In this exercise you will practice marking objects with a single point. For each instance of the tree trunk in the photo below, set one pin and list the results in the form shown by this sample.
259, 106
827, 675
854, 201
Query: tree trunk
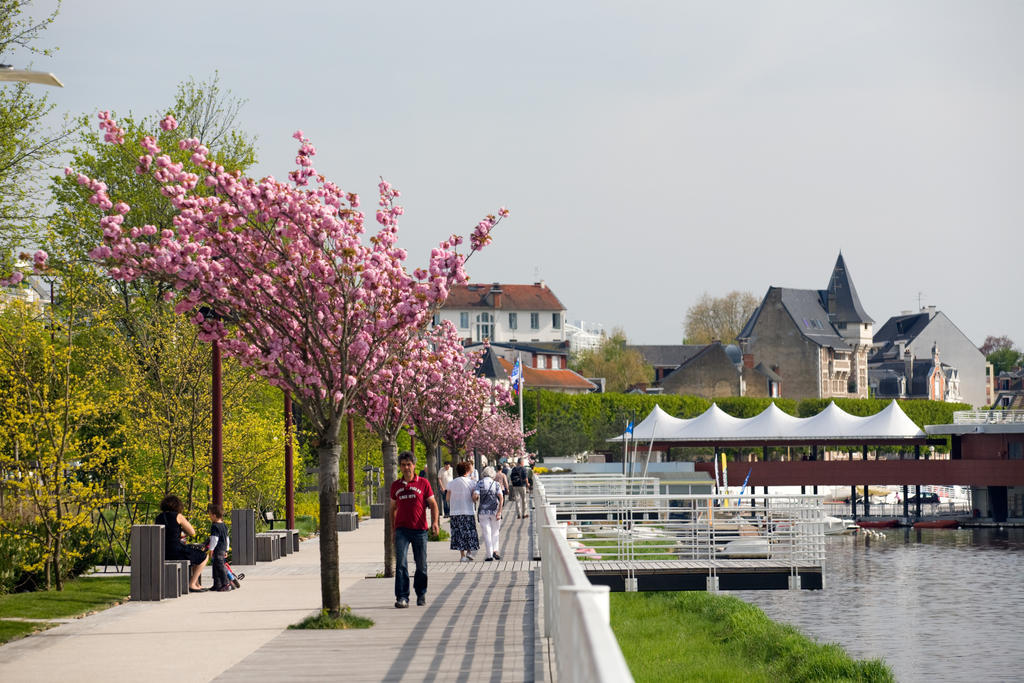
330, 579
389, 452
432, 471
58, 549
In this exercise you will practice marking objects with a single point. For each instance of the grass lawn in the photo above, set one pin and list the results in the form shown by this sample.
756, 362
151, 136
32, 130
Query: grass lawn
696, 636
79, 596
12, 630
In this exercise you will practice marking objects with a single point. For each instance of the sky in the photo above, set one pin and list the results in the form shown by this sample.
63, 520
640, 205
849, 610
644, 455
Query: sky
649, 152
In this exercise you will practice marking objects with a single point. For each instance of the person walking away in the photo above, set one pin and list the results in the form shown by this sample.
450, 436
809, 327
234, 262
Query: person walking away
502, 480
519, 478
411, 495
461, 496
444, 477
176, 526
491, 501
218, 548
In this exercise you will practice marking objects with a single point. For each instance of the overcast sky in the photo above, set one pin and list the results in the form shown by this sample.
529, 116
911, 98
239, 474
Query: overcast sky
649, 152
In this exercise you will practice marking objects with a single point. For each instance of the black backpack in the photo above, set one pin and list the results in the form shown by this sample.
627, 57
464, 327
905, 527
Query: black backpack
518, 476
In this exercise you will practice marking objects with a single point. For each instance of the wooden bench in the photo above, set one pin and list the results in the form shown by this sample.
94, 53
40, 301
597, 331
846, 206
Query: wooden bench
184, 574
268, 547
269, 518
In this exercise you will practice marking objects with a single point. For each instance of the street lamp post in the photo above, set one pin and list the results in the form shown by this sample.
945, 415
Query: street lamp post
11, 75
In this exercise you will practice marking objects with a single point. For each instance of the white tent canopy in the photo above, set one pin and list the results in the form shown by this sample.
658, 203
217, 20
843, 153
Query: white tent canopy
831, 424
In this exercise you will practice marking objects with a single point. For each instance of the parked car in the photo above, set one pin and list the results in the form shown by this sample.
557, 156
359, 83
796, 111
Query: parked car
927, 498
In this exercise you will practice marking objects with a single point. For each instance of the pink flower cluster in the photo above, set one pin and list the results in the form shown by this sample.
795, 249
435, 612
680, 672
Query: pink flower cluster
39, 264
295, 289
112, 132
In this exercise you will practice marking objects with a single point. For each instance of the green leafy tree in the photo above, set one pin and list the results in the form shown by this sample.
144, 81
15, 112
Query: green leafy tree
171, 410
621, 366
720, 318
1001, 353
61, 437
27, 146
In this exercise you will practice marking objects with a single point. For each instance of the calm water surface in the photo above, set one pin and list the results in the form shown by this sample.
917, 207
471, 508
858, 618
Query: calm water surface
935, 604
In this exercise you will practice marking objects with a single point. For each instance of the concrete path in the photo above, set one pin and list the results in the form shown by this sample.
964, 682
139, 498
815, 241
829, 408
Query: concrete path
479, 623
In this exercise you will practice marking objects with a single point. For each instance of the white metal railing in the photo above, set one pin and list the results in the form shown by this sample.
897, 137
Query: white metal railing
576, 613
788, 529
977, 417
598, 485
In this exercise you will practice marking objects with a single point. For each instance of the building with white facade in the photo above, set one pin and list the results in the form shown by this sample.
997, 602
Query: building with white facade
505, 313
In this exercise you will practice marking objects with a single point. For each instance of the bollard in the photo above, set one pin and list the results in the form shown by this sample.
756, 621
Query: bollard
243, 537
147, 579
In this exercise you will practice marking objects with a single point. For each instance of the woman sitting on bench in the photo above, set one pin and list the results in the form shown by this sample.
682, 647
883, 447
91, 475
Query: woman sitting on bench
175, 549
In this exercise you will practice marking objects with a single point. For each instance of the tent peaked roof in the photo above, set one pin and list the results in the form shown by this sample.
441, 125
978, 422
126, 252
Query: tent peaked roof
657, 425
768, 424
891, 421
833, 421
711, 423
833, 424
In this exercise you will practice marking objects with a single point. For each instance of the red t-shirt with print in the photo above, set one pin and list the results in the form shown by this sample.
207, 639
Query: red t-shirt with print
410, 499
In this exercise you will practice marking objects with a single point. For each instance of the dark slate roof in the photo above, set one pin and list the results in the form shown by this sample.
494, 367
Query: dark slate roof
903, 328
767, 372
490, 367
840, 297
804, 306
667, 356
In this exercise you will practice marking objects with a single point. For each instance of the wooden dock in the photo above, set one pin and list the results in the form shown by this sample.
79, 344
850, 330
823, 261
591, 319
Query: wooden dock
479, 624
687, 575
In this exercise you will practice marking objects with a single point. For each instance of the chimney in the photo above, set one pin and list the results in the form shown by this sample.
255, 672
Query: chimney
908, 369
496, 295
748, 360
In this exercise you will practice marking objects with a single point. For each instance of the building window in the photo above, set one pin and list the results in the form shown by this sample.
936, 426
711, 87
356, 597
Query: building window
535, 321
437, 319
484, 326
541, 362
556, 321
464, 320
513, 321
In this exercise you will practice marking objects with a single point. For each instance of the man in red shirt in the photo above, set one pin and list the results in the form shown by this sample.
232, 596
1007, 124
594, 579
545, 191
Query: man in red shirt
410, 496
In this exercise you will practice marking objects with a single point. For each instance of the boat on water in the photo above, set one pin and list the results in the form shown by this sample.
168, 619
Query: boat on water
878, 523
748, 547
937, 524
835, 526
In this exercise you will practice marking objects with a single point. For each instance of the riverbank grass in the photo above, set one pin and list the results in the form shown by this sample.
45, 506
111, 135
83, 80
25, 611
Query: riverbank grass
673, 636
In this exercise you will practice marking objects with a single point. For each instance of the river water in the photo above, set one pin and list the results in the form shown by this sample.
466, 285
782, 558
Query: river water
935, 604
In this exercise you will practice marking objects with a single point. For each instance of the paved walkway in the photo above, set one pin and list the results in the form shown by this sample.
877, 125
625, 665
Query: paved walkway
479, 623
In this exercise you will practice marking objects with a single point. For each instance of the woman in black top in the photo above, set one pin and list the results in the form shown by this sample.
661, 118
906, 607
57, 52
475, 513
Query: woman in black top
175, 549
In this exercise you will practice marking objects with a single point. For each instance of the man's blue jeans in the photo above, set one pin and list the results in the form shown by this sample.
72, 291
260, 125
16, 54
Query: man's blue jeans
418, 539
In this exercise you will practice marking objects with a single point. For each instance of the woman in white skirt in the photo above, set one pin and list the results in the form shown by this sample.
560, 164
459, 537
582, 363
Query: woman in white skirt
462, 495
491, 501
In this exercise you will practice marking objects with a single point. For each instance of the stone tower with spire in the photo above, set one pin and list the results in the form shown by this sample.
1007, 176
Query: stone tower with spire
850, 320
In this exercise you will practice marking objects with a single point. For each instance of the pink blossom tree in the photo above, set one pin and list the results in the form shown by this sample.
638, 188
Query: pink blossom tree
497, 435
436, 404
479, 401
294, 291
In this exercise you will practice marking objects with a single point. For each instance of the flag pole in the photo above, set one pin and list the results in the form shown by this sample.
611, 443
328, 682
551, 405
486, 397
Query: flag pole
521, 388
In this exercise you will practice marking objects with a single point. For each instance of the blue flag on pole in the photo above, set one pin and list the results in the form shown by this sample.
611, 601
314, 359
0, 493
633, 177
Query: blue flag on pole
629, 428
516, 376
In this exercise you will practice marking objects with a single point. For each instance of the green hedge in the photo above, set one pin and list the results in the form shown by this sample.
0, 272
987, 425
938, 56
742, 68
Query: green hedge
572, 423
